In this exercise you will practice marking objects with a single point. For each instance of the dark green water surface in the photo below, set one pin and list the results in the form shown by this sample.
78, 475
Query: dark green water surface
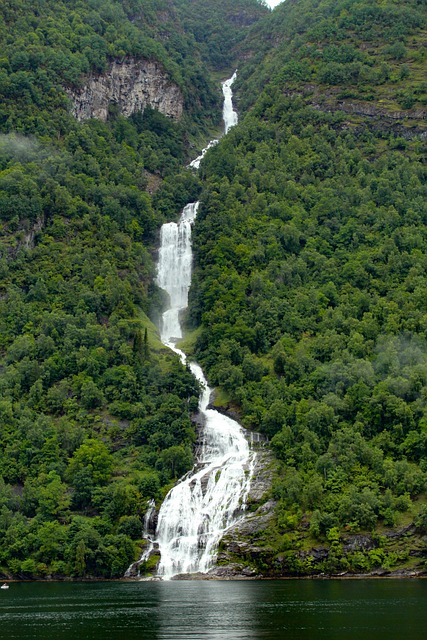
365, 609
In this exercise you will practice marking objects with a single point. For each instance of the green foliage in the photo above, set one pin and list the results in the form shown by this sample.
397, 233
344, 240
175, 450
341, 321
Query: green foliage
309, 286
219, 27
50, 45
356, 46
94, 414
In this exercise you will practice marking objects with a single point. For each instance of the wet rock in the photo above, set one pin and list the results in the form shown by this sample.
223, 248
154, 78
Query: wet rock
380, 573
233, 571
318, 553
405, 573
262, 479
191, 576
227, 571
29, 237
24, 238
228, 410
359, 543
241, 538
153, 558
249, 572
395, 535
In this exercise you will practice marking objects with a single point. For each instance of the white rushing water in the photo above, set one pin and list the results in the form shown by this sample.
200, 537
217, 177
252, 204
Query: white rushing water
199, 509
228, 114
174, 271
134, 567
196, 162
229, 117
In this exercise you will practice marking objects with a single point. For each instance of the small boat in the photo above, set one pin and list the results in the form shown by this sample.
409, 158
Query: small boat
4, 586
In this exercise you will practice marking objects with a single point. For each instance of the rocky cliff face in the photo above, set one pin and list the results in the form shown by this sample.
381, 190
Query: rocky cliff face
132, 85
240, 554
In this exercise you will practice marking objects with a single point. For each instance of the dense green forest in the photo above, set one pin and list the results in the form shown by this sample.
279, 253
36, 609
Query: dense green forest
95, 415
308, 307
219, 27
310, 291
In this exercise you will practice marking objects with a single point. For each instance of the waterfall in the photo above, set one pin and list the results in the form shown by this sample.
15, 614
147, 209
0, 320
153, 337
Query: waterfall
228, 114
195, 164
229, 117
134, 567
174, 271
209, 499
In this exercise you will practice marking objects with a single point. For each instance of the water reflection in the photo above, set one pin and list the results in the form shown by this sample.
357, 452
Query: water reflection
273, 610
208, 610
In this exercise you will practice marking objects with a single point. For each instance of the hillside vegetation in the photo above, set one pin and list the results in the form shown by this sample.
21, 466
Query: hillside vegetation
310, 287
94, 413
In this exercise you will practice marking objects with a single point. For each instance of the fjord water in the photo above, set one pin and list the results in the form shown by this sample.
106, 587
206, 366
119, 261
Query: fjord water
193, 610
197, 511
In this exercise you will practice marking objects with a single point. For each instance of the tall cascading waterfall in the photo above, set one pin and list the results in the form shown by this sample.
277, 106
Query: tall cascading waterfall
199, 509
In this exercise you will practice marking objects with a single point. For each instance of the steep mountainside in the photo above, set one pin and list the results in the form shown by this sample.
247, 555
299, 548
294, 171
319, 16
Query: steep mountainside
220, 27
94, 413
309, 298
310, 288
50, 44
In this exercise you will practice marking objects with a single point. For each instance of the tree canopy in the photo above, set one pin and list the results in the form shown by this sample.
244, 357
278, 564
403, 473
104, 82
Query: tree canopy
95, 415
310, 248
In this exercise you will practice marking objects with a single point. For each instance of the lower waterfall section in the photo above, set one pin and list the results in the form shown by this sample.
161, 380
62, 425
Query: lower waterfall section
133, 569
212, 497
200, 508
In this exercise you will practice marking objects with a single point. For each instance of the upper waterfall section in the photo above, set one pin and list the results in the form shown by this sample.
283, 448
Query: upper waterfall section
132, 85
229, 117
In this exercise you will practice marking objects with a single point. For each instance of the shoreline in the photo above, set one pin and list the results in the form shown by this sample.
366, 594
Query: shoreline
398, 574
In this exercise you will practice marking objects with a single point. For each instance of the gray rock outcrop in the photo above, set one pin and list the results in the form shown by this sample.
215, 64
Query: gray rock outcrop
132, 85
241, 540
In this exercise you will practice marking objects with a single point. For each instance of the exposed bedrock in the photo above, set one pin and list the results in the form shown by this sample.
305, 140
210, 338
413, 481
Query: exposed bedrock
130, 84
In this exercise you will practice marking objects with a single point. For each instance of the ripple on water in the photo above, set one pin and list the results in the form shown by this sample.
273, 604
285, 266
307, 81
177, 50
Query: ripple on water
271, 610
